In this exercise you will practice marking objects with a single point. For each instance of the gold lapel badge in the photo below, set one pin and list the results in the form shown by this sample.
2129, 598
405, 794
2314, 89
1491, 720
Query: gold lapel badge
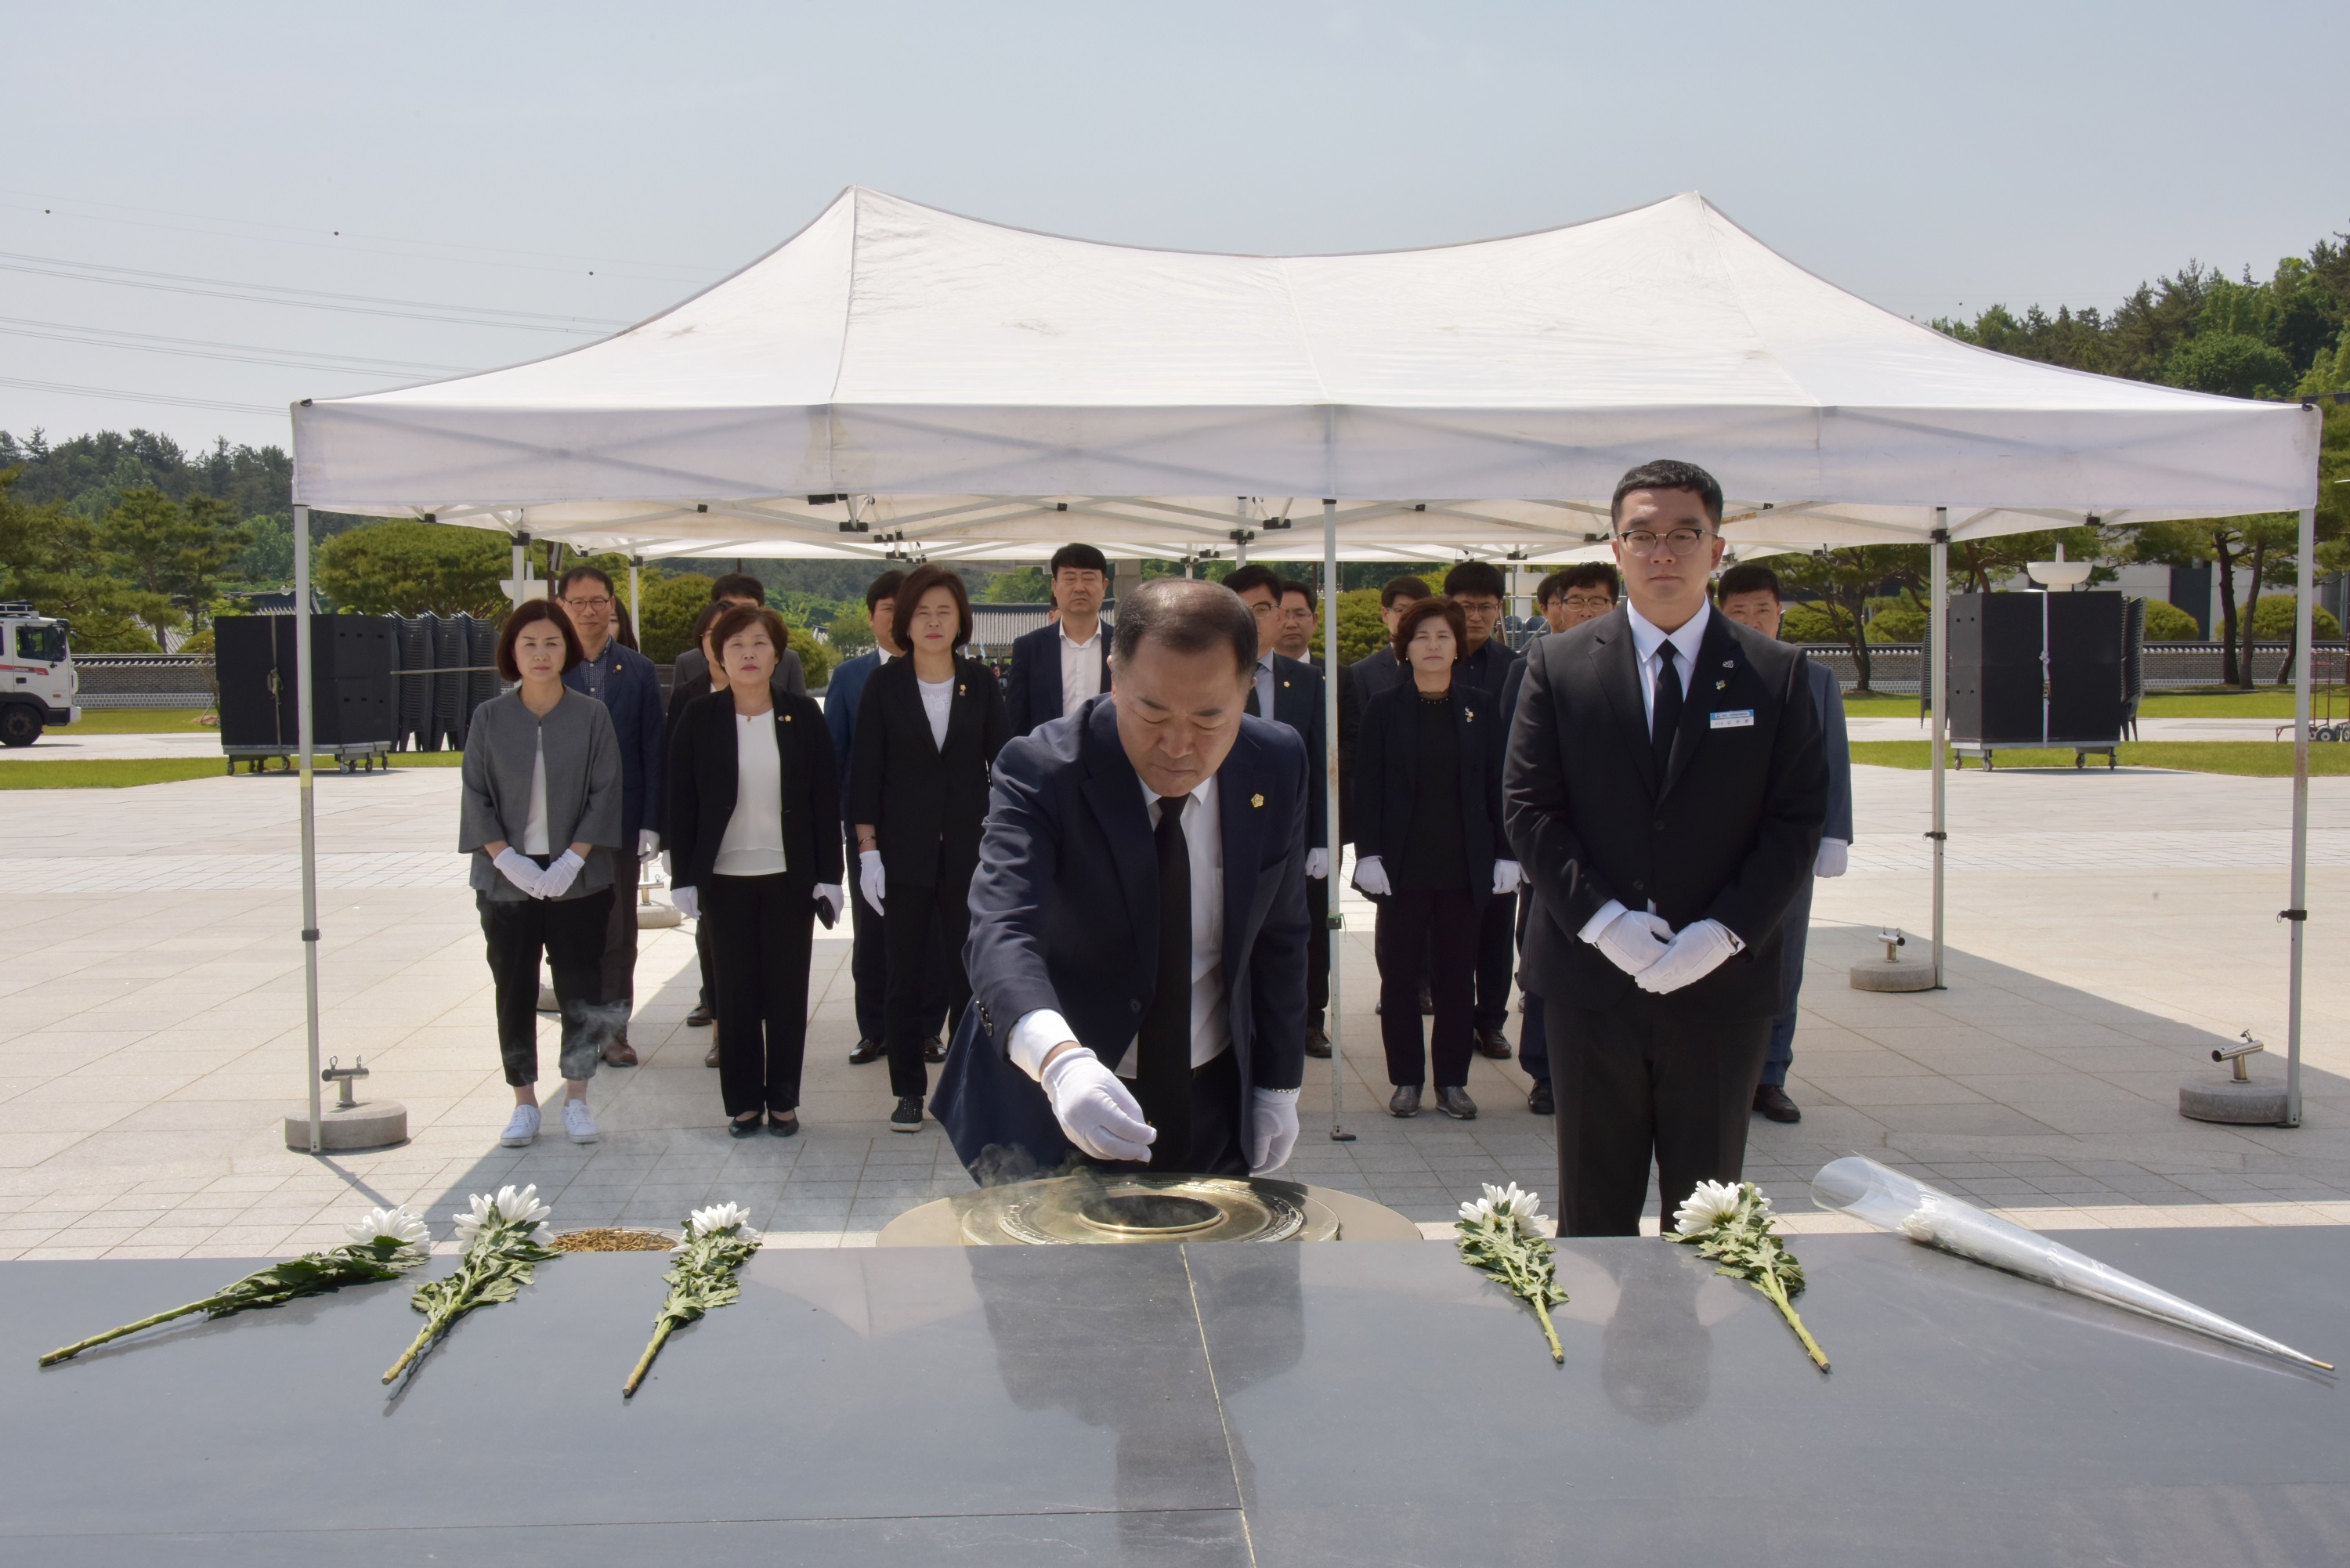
1257, 801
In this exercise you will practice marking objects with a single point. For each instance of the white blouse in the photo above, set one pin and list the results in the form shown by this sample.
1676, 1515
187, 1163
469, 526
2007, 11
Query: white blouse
534, 828
938, 701
754, 842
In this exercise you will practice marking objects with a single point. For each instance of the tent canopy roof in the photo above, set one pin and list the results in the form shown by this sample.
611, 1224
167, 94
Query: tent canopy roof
895, 369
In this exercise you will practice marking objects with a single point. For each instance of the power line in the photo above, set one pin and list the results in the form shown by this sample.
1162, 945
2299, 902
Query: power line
309, 292
141, 397
239, 353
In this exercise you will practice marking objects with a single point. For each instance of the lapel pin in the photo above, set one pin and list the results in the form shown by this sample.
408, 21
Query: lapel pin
961, 691
787, 718
1729, 664
1468, 715
1719, 685
1257, 801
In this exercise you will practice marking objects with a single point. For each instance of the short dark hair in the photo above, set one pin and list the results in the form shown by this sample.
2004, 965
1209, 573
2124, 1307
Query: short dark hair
918, 582
739, 586
708, 618
1668, 474
527, 613
1185, 614
884, 586
575, 573
1395, 588
1084, 557
736, 619
1292, 585
1749, 577
1481, 577
1255, 574
1438, 607
1582, 574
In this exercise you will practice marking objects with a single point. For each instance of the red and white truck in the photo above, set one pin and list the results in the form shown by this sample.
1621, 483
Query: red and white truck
37, 684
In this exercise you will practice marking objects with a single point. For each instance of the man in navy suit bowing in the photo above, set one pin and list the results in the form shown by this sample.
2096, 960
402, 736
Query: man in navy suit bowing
1056, 666
1138, 925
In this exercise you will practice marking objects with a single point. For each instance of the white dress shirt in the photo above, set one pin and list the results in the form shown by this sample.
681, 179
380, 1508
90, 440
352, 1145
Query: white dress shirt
1080, 668
753, 844
1033, 1037
1647, 638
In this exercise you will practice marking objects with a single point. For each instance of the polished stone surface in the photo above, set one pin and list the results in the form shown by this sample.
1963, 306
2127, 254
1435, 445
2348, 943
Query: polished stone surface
1271, 1405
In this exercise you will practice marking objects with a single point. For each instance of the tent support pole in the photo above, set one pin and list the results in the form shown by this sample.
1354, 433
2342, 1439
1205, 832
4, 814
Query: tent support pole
302, 735
1940, 570
1339, 1133
2297, 914
636, 601
521, 564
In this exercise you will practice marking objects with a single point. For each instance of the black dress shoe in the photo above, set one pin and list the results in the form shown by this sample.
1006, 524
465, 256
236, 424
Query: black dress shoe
1493, 1044
1772, 1102
783, 1126
1539, 1101
934, 1050
699, 1017
868, 1050
739, 1127
1456, 1104
1317, 1042
1404, 1101
908, 1117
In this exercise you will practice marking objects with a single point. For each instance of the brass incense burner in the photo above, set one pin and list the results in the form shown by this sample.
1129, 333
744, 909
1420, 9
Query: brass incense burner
1095, 1207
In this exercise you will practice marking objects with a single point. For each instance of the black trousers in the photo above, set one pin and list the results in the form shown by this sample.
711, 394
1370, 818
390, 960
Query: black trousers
1441, 931
570, 933
925, 928
1652, 1077
869, 959
1318, 950
620, 961
1218, 1120
1497, 960
760, 931
701, 957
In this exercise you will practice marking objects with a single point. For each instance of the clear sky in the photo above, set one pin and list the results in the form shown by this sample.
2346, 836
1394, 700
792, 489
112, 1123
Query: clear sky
592, 163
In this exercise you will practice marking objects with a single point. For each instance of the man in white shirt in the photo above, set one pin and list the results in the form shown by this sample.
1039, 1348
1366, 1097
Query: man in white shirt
1058, 666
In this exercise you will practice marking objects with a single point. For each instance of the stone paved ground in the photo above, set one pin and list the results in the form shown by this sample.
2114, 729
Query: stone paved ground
2106, 930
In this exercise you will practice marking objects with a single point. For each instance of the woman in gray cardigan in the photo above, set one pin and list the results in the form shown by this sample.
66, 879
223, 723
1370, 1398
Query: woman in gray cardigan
542, 820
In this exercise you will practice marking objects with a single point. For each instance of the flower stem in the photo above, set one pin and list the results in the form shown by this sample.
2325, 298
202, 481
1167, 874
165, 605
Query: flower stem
1771, 1287
70, 1351
1558, 1351
423, 1342
645, 1361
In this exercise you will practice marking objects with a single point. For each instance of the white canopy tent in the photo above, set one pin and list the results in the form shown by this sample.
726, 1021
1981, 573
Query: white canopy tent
895, 382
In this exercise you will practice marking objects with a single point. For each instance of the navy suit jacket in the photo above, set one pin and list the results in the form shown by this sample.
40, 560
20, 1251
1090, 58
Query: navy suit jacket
633, 697
1065, 915
1033, 689
840, 707
1298, 703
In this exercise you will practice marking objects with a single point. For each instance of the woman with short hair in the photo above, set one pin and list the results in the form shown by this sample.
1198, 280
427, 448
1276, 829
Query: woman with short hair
541, 818
1430, 849
685, 691
755, 822
928, 728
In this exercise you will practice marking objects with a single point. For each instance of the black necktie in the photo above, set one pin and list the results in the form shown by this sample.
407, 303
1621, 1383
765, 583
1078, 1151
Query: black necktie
1666, 720
1163, 1076
1254, 709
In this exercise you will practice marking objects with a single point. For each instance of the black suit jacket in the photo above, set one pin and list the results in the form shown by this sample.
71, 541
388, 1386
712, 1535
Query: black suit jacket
1032, 691
926, 805
702, 783
1727, 834
1298, 703
1065, 915
1390, 760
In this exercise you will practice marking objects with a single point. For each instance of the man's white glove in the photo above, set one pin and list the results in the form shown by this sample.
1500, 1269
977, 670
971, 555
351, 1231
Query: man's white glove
1507, 875
1097, 1111
1632, 940
1317, 864
560, 873
1698, 949
647, 844
1371, 876
1273, 1124
833, 896
1833, 857
870, 880
518, 868
688, 901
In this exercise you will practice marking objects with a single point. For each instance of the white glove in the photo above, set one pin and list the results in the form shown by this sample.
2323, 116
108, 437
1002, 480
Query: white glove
519, 869
1097, 1112
560, 873
871, 880
688, 901
1371, 876
1273, 1124
832, 895
1833, 857
647, 844
1317, 864
1697, 952
1633, 941
1507, 875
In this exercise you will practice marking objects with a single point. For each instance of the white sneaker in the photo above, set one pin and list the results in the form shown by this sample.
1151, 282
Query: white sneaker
522, 1128
579, 1122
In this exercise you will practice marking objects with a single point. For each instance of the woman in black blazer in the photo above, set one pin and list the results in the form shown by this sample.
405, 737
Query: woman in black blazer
928, 729
754, 852
1429, 849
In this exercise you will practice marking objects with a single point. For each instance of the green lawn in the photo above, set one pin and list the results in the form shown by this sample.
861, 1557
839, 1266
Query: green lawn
2208, 703
138, 721
2260, 759
121, 772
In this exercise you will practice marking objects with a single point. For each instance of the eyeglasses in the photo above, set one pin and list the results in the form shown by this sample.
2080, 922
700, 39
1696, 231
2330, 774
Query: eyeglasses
1643, 542
594, 604
1588, 601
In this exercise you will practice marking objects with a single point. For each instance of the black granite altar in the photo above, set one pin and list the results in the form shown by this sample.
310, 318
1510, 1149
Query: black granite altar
1275, 1405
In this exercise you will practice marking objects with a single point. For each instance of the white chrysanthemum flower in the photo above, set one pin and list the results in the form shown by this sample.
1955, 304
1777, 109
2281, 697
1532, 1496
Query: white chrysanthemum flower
510, 1205
1514, 1202
718, 1217
389, 1225
1479, 1211
1921, 1225
1707, 1206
